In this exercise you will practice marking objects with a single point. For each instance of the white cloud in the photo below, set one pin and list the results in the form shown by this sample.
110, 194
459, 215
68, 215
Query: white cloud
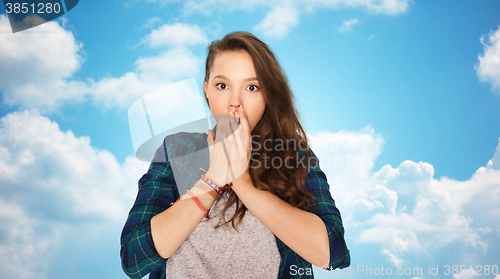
467, 273
488, 69
59, 188
151, 22
405, 209
347, 159
284, 23
151, 73
174, 63
432, 213
43, 159
210, 6
279, 21
37, 67
285, 15
347, 25
176, 35
388, 7
394, 259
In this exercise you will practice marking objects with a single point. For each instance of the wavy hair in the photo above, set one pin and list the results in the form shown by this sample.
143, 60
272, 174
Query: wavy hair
279, 126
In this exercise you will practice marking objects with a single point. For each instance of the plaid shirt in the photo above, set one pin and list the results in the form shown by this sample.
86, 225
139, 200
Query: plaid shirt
158, 188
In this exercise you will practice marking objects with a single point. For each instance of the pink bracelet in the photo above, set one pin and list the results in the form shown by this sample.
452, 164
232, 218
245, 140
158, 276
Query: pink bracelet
198, 204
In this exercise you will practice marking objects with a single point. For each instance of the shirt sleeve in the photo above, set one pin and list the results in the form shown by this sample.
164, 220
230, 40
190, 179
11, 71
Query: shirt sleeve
157, 189
316, 184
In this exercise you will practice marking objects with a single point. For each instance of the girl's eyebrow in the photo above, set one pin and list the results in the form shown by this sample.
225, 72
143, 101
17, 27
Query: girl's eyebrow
223, 77
251, 79
219, 76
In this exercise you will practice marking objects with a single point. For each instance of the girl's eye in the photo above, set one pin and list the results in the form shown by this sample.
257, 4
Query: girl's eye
221, 86
253, 87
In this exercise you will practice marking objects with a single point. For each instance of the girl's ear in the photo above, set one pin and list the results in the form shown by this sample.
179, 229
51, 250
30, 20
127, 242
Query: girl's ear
205, 86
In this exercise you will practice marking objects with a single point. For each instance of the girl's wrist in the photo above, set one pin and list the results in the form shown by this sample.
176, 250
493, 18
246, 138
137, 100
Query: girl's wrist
204, 197
243, 179
214, 178
202, 185
219, 189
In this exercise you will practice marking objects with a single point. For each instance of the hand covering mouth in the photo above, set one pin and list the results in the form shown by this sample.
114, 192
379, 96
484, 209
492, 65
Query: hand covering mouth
234, 110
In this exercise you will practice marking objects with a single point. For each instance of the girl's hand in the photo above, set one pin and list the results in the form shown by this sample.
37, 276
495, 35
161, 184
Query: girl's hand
240, 147
230, 151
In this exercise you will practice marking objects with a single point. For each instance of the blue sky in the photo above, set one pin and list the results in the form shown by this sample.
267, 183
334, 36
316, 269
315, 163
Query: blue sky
410, 90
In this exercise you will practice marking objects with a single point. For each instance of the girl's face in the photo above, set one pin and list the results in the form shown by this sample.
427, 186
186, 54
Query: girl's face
232, 83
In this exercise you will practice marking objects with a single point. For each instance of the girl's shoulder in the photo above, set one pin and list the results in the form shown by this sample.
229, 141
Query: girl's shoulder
186, 141
308, 156
180, 144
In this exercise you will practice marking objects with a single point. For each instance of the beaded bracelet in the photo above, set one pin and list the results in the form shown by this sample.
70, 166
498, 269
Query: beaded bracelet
202, 185
216, 187
198, 204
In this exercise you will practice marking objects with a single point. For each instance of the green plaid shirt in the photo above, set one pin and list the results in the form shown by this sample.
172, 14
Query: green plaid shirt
158, 188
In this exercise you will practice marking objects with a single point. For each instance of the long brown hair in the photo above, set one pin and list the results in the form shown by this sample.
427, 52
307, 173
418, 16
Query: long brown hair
279, 126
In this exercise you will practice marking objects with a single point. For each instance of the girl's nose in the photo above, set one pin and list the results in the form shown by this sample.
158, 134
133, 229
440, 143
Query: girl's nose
234, 109
235, 99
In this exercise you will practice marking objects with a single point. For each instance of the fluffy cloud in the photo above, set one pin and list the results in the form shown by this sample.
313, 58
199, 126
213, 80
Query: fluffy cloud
176, 35
468, 273
488, 69
279, 21
347, 25
284, 15
151, 22
57, 194
405, 210
347, 159
429, 212
174, 63
389, 7
37, 67
150, 73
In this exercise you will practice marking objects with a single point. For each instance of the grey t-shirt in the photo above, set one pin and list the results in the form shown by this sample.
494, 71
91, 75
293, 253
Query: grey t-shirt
225, 253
